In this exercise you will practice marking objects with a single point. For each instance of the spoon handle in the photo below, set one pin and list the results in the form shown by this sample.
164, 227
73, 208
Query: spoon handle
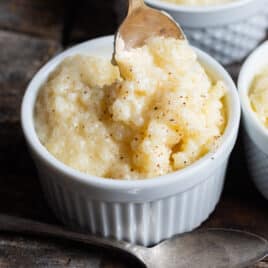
25, 226
134, 4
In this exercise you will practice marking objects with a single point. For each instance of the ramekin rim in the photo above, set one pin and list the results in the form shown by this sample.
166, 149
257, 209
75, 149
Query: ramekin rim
40, 150
198, 9
244, 89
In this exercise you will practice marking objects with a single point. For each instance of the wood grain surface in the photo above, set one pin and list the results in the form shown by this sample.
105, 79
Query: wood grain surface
31, 32
34, 17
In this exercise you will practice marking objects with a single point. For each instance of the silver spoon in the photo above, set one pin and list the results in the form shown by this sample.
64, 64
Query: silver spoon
207, 248
143, 22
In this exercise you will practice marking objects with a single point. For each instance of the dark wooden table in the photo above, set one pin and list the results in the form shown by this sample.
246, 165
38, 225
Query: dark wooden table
31, 32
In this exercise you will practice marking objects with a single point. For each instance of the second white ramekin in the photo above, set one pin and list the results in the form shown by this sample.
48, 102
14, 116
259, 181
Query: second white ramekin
140, 211
256, 134
228, 32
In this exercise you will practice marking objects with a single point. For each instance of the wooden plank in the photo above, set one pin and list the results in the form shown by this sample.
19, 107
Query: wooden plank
14, 156
22, 196
91, 19
21, 56
35, 17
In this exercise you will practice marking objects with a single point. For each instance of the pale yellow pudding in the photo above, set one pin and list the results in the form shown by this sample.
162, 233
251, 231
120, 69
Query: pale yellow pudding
156, 112
199, 2
258, 96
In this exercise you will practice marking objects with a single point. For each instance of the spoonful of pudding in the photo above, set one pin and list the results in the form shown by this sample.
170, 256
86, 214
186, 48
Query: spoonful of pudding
143, 22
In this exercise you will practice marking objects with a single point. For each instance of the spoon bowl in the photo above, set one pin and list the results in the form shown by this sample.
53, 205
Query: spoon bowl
204, 248
143, 22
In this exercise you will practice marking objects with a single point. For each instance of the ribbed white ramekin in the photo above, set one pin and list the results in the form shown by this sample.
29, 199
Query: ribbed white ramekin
140, 211
256, 134
228, 32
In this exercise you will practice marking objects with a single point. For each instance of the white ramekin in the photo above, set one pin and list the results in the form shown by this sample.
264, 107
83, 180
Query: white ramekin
256, 134
140, 211
227, 32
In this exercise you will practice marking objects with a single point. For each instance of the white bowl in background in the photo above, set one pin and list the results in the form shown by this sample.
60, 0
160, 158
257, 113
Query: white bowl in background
228, 32
140, 211
256, 134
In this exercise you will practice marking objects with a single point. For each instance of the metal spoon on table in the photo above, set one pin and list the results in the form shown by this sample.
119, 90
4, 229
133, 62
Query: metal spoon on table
143, 22
208, 248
